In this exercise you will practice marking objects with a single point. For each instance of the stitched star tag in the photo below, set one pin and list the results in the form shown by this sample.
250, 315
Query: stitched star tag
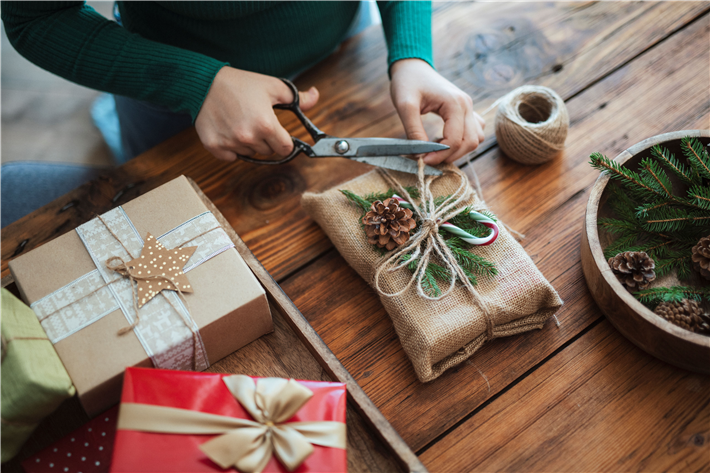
158, 268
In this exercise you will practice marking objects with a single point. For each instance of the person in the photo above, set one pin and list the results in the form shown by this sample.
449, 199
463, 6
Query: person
217, 65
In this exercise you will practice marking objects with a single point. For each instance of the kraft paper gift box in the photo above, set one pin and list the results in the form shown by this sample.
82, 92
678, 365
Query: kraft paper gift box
83, 305
206, 422
34, 381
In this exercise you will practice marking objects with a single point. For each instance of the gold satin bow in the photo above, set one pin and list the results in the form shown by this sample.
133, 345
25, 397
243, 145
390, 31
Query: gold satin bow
245, 444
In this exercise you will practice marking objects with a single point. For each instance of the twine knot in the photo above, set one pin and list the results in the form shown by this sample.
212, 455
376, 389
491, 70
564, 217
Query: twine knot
430, 225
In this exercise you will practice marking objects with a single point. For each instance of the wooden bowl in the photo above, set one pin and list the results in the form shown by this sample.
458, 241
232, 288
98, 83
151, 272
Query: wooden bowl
648, 331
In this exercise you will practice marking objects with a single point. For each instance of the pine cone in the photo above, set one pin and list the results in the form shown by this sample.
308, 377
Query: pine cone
387, 224
701, 257
686, 314
634, 269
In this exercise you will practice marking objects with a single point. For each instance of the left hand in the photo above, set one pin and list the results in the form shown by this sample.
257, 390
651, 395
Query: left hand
417, 89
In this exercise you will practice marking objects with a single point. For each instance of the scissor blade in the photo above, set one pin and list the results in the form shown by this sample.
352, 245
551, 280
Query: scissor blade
362, 147
397, 163
399, 147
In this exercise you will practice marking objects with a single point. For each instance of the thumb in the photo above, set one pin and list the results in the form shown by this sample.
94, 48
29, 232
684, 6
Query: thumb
412, 121
309, 98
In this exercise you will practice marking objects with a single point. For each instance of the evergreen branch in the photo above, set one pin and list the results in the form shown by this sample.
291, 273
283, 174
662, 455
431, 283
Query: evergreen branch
671, 220
472, 262
629, 178
645, 209
656, 295
697, 156
672, 163
613, 225
700, 195
653, 172
381, 196
357, 200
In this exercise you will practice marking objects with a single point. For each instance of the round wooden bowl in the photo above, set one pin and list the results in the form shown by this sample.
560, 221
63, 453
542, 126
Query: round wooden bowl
648, 331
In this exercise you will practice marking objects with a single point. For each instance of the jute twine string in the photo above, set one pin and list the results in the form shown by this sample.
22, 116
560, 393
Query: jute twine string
531, 124
430, 216
5, 344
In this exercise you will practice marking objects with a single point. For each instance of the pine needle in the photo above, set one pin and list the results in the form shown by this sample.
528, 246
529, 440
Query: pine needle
656, 295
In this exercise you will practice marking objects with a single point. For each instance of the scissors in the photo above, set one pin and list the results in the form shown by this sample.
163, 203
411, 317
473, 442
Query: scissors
382, 152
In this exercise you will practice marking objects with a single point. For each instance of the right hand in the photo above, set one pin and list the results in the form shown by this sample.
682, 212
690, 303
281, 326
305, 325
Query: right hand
237, 116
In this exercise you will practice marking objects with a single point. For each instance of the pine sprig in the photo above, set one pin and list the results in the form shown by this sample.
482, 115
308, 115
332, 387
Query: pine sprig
657, 177
357, 200
629, 178
656, 295
672, 163
700, 196
697, 155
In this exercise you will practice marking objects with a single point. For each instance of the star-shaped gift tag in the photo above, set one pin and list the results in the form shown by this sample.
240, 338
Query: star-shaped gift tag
162, 269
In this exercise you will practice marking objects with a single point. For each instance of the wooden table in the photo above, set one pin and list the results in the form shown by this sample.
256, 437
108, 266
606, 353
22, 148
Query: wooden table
575, 398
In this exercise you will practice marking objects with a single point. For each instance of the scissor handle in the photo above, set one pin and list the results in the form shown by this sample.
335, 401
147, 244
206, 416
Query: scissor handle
298, 145
295, 107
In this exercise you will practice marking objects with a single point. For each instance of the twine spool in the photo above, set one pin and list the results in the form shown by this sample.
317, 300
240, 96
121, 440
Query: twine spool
531, 124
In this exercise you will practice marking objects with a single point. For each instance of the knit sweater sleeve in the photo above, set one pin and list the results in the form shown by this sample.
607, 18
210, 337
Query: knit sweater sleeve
407, 26
72, 40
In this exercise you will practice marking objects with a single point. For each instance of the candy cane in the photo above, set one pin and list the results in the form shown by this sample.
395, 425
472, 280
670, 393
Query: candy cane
465, 236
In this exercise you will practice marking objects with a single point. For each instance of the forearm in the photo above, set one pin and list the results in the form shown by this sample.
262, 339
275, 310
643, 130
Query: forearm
73, 41
407, 27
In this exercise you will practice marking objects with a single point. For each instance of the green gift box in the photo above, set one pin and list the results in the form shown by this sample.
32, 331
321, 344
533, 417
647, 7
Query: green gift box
34, 381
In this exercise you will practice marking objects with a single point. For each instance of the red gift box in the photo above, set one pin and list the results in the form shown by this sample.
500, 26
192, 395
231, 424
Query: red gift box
141, 451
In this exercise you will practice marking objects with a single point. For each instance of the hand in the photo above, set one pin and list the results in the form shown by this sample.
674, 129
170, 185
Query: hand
417, 89
237, 115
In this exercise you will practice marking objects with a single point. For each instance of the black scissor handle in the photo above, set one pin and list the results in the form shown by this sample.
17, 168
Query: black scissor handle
298, 145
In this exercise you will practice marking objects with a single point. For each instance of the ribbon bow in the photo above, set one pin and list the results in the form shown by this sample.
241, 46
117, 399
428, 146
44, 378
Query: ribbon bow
245, 444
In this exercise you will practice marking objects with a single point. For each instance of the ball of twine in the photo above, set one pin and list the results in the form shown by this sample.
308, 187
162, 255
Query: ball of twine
531, 124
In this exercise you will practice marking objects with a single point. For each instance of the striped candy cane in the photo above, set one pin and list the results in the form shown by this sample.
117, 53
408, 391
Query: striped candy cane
465, 236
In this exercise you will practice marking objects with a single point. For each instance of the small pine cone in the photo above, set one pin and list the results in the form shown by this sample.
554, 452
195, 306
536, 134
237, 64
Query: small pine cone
387, 224
686, 314
701, 257
634, 269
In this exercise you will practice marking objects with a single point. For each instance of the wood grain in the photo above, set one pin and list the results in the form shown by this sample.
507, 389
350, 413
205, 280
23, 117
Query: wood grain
628, 71
601, 404
545, 202
262, 203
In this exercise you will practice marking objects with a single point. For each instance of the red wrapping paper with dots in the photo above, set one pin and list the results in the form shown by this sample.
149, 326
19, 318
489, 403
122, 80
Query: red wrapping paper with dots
86, 450
136, 451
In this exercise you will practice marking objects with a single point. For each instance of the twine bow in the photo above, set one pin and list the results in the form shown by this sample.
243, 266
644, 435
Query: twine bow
427, 242
245, 444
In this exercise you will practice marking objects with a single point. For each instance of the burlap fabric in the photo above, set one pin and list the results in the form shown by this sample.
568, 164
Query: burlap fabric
437, 335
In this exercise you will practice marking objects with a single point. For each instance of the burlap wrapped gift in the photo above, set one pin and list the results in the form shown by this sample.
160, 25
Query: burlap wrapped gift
438, 334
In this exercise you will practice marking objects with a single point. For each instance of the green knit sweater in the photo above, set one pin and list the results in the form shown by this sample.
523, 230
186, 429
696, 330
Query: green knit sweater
168, 53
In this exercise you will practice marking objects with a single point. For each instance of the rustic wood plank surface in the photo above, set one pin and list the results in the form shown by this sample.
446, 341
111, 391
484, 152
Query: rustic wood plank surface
601, 404
627, 71
547, 204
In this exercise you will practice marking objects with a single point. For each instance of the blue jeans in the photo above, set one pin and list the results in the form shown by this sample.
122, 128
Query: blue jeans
27, 186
